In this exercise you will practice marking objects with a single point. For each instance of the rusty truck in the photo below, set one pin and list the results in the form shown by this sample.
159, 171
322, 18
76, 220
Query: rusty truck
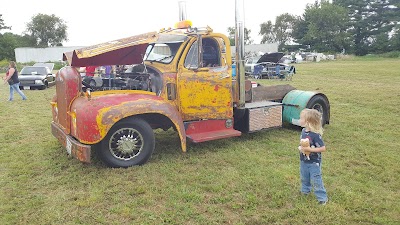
182, 80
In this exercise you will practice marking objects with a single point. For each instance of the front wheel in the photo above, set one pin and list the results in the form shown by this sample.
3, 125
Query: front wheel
129, 142
321, 104
43, 87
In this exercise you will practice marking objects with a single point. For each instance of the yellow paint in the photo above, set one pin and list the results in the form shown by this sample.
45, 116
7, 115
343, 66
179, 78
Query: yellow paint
73, 119
109, 92
206, 93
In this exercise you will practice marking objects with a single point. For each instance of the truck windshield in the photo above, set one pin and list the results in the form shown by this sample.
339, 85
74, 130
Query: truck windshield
163, 53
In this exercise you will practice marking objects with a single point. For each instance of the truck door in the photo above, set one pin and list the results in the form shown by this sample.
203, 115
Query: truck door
205, 80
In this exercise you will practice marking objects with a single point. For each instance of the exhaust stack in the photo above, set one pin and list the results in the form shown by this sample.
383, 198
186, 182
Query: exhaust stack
182, 10
239, 55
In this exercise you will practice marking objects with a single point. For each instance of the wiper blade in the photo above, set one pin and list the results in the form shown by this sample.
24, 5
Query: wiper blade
160, 59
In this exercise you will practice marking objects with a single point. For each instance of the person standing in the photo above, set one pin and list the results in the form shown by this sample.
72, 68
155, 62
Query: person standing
90, 70
12, 79
107, 71
107, 74
311, 155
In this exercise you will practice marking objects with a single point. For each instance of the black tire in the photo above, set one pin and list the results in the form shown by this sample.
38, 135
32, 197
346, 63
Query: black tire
320, 103
43, 87
92, 83
130, 142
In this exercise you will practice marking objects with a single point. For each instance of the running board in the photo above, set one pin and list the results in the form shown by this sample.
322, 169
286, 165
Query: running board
213, 135
207, 130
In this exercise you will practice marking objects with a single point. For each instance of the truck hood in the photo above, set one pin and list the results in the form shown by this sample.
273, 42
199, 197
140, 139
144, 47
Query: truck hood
271, 57
119, 52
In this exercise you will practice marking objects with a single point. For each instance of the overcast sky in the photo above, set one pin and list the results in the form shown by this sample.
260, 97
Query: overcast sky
92, 22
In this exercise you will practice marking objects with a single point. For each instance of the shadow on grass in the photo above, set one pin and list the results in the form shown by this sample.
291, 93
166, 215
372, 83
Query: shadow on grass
168, 146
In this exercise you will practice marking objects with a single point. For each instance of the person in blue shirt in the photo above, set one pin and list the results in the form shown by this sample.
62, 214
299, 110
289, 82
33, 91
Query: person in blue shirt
311, 156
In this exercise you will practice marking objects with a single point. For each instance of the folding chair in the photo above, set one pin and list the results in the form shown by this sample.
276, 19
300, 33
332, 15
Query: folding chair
290, 72
257, 71
280, 73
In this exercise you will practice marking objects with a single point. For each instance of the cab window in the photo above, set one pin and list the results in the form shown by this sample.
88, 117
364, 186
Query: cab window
192, 59
211, 55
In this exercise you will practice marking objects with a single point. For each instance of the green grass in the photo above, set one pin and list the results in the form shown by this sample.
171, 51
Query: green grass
252, 179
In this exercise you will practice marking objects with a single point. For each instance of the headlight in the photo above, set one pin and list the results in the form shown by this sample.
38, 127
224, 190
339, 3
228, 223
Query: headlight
39, 82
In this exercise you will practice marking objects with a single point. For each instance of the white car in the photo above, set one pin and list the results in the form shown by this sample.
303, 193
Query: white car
249, 65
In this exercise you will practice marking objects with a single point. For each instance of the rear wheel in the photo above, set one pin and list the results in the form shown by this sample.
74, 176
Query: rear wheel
321, 104
128, 143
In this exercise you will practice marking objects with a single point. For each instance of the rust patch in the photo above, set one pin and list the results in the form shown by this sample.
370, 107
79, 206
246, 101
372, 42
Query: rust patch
276, 92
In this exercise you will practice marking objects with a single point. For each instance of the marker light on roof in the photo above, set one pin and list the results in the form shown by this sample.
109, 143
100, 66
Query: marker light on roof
183, 24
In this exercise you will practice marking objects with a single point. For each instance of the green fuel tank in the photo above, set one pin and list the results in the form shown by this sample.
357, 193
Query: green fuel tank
295, 101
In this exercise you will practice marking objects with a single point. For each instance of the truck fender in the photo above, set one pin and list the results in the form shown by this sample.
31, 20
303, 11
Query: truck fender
107, 117
296, 100
91, 128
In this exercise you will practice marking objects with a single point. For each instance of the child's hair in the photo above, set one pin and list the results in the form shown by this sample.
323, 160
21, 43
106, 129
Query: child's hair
313, 120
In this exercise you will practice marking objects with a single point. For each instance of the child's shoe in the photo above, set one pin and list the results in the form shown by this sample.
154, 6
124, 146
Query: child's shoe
323, 202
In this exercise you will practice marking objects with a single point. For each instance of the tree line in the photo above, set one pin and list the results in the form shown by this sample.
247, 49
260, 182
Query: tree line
41, 32
357, 27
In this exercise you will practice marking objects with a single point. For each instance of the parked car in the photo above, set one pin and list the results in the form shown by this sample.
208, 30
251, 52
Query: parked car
39, 76
249, 65
269, 66
271, 70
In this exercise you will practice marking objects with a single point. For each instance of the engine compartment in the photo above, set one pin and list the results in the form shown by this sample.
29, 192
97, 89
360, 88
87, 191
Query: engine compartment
131, 79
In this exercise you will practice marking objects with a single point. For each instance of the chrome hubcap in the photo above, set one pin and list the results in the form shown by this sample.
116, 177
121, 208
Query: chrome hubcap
126, 143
